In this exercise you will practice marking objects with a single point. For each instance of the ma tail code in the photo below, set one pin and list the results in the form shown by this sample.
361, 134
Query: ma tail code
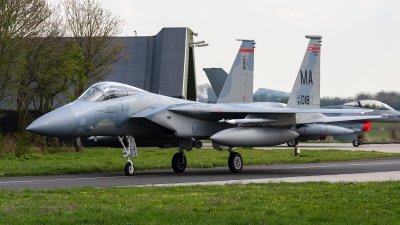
306, 78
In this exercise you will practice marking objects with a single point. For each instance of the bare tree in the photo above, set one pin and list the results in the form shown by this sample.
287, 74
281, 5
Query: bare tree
94, 29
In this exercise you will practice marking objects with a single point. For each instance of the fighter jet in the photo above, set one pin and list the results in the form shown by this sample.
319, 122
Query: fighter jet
387, 115
384, 113
305, 94
138, 117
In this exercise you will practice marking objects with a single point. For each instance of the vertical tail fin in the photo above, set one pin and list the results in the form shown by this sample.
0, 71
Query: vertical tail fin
306, 89
238, 86
217, 78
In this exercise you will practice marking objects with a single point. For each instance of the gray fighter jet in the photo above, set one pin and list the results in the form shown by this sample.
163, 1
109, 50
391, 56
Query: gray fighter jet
384, 112
387, 114
140, 118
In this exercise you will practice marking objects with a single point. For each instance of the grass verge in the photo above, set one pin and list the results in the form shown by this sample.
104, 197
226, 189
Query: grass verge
271, 203
110, 160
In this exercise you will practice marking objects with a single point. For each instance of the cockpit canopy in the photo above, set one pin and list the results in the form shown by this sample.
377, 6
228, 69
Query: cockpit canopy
370, 104
108, 90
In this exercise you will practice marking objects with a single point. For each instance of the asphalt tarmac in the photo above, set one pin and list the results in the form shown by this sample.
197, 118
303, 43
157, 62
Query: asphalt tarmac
363, 170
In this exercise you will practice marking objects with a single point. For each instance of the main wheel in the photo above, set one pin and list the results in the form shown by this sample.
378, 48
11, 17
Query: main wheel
235, 162
197, 144
179, 162
356, 143
129, 169
293, 143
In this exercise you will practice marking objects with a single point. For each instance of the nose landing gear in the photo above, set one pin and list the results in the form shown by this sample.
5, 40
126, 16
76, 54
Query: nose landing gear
129, 151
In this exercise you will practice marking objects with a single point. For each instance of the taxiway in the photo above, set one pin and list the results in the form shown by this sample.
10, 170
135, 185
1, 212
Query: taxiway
363, 170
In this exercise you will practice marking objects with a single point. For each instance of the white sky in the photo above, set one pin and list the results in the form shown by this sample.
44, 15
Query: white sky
360, 48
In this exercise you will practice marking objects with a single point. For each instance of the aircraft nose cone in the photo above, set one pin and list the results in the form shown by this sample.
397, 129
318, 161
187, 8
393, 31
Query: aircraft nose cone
58, 123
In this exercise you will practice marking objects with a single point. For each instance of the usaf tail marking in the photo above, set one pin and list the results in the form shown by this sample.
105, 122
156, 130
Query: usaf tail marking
303, 100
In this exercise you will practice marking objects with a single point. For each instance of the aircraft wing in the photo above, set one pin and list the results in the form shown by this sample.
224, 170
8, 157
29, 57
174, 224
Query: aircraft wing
147, 118
197, 109
150, 111
339, 119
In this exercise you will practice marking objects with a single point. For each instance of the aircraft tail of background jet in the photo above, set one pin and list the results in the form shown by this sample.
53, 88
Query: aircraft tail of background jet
306, 89
217, 78
239, 84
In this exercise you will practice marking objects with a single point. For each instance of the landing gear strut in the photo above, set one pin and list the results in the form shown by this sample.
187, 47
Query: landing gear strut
129, 151
235, 161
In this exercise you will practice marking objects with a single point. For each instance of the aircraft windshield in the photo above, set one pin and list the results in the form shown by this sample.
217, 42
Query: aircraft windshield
370, 104
108, 90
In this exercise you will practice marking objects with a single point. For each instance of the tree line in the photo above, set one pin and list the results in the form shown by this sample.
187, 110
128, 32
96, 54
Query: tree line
50, 53
392, 98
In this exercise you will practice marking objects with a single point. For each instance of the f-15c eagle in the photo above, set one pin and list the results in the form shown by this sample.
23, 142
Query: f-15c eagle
140, 118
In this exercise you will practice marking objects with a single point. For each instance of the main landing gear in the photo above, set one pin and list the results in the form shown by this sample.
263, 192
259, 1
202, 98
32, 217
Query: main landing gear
235, 161
179, 162
179, 159
129, 151
293, 143
357, 143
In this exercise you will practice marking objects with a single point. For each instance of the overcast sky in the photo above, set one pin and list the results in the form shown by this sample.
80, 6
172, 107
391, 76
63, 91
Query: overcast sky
360, 48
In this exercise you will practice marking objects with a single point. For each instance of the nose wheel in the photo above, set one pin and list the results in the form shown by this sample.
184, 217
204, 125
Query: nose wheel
129, 169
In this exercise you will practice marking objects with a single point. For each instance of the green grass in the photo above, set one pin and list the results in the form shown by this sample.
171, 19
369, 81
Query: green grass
384, 125
111, 160
271, 203
378, 136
